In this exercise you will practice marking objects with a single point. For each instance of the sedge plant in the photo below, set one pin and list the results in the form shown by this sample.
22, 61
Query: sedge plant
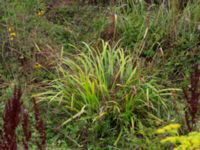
105, 82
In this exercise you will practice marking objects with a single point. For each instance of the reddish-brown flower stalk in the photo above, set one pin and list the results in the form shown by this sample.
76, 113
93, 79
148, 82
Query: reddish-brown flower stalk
193, 99
39, 126
11, 120
26, 129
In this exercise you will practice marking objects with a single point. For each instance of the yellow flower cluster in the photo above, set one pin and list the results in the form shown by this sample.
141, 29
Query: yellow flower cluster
171, 139
37, 66
41, 13
189, 142
168, 128
12, 33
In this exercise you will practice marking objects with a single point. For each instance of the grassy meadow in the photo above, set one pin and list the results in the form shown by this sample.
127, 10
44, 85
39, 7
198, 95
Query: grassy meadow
99, 75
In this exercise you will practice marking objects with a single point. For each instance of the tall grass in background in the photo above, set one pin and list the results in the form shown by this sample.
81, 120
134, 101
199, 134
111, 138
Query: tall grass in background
151, 27
104, 83
164, 34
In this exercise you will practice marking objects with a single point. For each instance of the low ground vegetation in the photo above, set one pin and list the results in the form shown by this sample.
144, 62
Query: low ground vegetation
100, 74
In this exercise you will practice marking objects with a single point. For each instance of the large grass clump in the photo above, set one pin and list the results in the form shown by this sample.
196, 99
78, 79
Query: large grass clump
105, 83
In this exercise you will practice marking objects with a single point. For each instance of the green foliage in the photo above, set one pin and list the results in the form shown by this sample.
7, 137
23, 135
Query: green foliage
100, 96
132, 26
104, 82
80, 22
146, 31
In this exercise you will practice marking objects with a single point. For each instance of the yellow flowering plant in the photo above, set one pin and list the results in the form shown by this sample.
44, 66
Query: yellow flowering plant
37, 66
187, 142
12, 33
171, 128
10, 29
41, 13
